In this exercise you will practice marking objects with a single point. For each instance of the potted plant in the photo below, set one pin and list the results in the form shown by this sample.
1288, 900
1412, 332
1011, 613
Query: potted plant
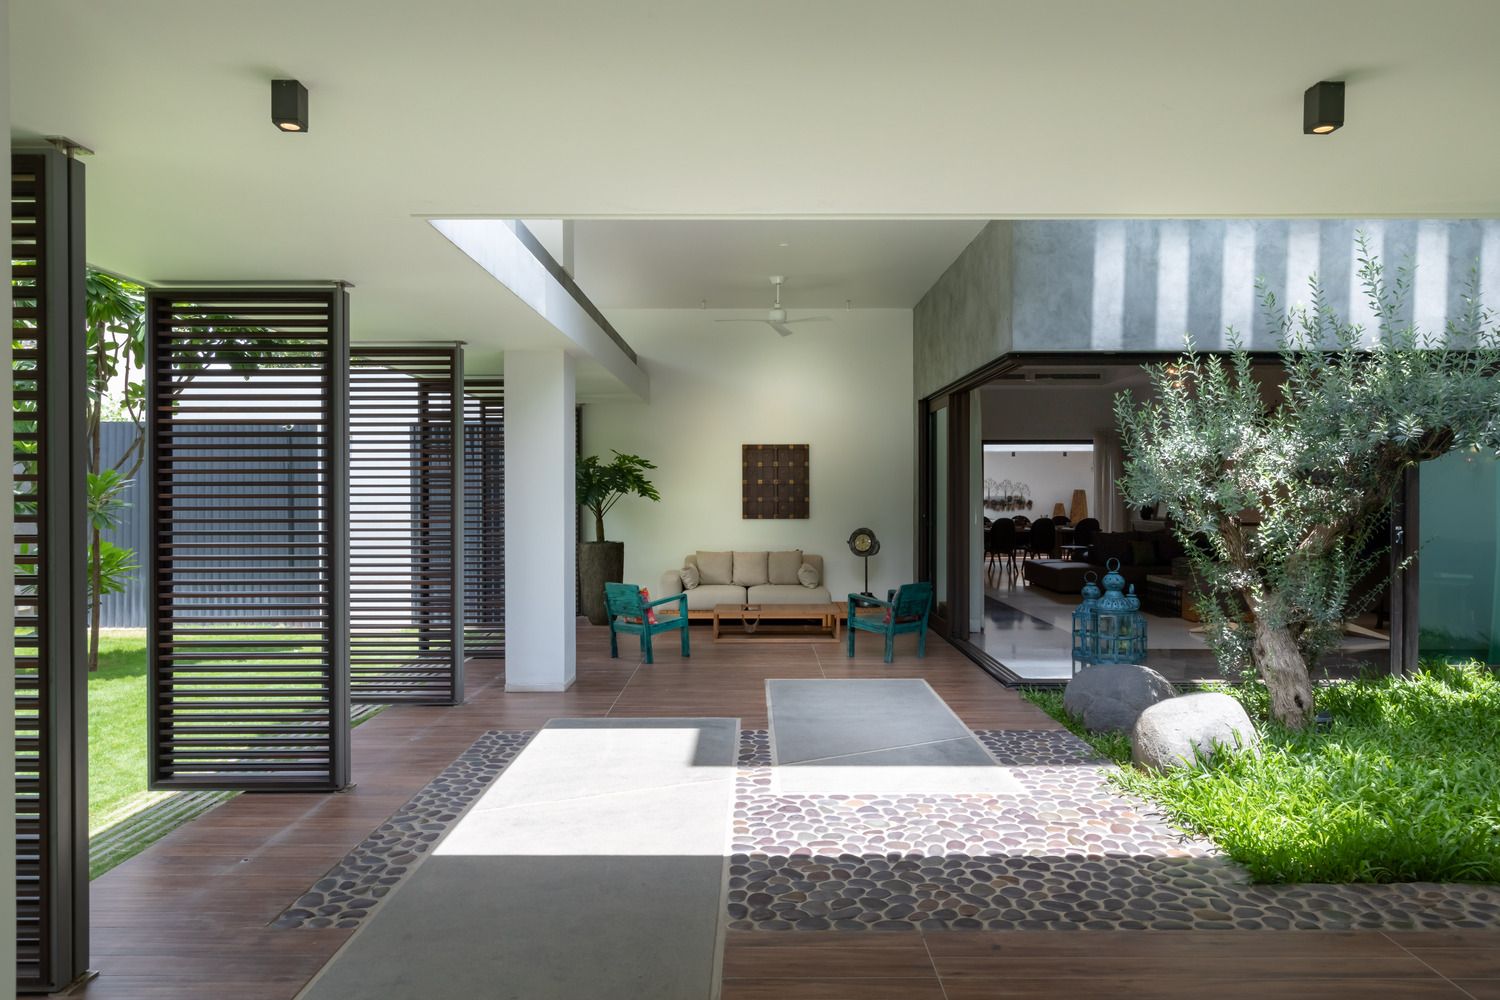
599, 488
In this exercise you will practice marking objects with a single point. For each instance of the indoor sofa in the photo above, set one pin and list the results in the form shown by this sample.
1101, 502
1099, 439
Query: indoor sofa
713, 578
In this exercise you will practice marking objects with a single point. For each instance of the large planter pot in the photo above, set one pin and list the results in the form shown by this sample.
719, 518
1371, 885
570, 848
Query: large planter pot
598, 563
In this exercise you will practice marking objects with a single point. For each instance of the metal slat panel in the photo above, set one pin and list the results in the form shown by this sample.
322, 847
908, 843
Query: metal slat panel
247, 631
48, 548
484, 516
406, 525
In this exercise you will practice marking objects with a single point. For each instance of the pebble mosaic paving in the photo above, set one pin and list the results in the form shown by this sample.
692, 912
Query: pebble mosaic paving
1071, 852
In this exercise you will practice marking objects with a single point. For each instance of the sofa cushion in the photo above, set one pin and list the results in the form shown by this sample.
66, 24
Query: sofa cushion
750, 569
1142, 553
703, 598
809, 575
716, 568
691, 578
781, 593
782, 567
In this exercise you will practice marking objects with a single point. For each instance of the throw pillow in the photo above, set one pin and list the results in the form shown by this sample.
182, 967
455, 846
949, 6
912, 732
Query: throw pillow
750, 569
715, 567
783, 567
809, 576
690, 577
650, 612
1142, 553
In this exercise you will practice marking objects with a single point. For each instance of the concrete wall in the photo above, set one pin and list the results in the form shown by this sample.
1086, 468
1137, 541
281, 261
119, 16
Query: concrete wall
963, 322
1142, 285
842, 387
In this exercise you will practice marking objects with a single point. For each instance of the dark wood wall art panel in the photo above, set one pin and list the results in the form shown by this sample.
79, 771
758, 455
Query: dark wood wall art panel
774, 481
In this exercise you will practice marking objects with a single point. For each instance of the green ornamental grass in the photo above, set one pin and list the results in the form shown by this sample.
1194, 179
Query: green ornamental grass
1404, 786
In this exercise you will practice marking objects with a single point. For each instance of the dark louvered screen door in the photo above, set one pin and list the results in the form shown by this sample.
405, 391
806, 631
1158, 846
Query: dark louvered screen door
484, 516
406, 525
47, 370
248, 567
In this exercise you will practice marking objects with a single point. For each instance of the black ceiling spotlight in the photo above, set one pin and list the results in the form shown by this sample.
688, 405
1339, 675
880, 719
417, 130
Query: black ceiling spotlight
289, 105
1323, 107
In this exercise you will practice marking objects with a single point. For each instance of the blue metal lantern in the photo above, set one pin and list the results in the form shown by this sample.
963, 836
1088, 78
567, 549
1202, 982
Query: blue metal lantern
1119, 626
1083, 623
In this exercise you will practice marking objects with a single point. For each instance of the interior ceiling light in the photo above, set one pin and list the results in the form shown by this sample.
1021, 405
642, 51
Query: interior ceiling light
1323, 107
289, 105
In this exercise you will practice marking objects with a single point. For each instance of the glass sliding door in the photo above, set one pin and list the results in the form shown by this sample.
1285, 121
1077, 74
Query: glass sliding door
1458, 606
944, 555
941, 503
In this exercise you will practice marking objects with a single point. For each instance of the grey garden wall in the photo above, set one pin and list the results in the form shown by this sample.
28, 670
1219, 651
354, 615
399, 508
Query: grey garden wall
126, 609
1142, 285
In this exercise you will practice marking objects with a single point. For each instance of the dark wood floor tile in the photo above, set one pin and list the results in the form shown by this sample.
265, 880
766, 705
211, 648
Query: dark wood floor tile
1456, 938
999, 946
826, 955
1247, 961
1198, 987
1480, 989
832, 989
1462, 963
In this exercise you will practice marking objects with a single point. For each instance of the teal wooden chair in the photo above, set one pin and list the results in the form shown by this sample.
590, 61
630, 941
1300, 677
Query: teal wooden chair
627, 613
906, 610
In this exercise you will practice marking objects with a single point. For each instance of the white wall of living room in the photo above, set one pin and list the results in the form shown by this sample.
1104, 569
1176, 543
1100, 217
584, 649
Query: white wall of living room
842, 387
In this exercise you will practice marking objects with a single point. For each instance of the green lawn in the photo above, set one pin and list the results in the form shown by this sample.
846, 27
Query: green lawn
1403, 786
117, 729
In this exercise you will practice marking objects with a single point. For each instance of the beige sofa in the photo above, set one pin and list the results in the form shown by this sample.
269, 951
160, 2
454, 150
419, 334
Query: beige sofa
746, 578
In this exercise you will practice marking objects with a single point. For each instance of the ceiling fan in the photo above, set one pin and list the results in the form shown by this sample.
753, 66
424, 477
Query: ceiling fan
776, 318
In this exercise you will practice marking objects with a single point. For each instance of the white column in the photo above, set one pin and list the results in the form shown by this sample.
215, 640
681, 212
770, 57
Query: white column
541, 544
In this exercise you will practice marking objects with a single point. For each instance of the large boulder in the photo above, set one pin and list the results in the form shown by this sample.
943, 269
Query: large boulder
1171, 733
1113, 695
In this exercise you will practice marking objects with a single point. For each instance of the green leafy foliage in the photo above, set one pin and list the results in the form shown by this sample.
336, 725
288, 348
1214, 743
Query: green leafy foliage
1279, 502
1115, 746
1403, 786
600, 486
116, 568
106, 503
114, 311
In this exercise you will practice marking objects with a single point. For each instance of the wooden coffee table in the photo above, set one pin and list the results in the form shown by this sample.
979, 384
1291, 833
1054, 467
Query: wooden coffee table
776, 622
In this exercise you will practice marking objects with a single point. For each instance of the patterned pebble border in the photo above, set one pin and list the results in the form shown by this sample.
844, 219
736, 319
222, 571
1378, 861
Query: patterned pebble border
354, 887
1071, 852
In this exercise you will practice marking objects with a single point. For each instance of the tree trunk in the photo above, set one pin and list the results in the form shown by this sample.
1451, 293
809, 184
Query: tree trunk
95, 610
96, 460
1284, 670
598, 526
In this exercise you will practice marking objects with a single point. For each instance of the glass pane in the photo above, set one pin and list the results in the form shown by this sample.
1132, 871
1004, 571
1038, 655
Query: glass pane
1459, 567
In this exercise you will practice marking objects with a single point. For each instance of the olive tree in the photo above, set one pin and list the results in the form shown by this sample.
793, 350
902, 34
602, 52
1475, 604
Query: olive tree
1278, 494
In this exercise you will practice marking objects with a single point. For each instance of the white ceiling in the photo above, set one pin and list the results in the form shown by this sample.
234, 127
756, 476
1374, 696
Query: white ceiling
686, 109
727, 264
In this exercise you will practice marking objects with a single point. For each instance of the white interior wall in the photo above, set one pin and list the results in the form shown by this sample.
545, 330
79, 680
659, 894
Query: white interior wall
842, 387
1051, 476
